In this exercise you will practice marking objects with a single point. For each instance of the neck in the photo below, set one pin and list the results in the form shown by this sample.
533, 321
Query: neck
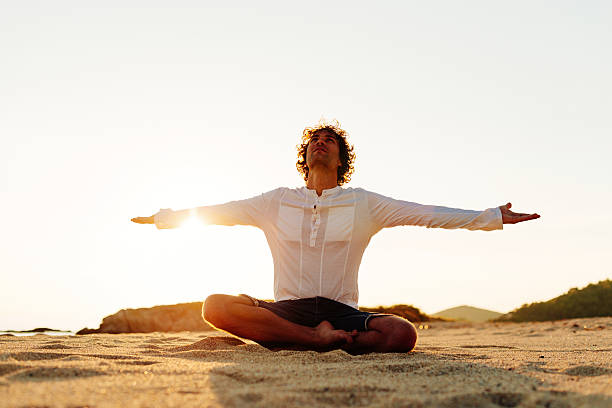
321, 180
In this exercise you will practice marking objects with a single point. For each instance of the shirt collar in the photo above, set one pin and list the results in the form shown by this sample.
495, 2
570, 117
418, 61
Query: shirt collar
324, 193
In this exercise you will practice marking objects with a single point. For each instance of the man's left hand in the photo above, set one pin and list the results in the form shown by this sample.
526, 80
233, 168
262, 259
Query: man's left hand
510, 217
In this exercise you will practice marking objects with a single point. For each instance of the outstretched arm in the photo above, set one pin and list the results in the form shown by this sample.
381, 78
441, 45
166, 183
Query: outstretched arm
388, 212
243, 212
510, 217
251, 211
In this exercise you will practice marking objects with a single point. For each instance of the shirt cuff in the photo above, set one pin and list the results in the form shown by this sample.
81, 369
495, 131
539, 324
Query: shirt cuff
497, 222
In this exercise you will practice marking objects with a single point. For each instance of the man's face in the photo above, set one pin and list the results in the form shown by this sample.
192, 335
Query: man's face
323, 150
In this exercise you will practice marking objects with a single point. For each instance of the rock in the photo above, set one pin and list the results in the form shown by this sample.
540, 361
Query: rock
167, 318
36, 330
40, 330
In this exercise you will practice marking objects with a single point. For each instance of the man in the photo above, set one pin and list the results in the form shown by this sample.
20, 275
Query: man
317, 235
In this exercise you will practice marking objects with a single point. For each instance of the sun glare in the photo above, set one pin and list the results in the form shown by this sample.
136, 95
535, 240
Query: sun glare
192, 223
195, 240
208, 259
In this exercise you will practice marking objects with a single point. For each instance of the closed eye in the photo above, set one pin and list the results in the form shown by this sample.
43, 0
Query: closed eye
326, 139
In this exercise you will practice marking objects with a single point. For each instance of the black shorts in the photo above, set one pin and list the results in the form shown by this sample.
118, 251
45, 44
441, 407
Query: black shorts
312, 311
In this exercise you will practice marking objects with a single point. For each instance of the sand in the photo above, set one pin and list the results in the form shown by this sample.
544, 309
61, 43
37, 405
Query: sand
552, 364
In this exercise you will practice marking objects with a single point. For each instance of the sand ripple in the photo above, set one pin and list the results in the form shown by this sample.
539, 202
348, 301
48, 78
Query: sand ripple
482, 366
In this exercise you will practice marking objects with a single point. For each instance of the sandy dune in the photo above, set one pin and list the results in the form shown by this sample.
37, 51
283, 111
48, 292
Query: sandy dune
559, 364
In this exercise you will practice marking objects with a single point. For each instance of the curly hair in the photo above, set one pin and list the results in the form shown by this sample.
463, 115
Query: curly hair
347, 156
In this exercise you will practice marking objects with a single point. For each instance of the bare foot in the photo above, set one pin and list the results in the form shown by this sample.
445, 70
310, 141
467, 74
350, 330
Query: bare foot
326, 335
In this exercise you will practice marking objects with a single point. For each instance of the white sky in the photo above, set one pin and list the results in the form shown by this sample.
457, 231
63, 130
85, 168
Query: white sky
111, 112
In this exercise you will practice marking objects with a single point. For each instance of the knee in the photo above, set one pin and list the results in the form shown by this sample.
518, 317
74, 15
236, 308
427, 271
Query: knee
404, 337
213, 310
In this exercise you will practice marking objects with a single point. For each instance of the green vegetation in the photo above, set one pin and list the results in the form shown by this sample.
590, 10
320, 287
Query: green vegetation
406, 311
595, 300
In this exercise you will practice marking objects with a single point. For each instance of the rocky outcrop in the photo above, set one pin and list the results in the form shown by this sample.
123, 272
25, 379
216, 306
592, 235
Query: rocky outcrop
168, 318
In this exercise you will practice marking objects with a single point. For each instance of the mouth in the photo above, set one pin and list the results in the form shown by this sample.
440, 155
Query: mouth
316, 149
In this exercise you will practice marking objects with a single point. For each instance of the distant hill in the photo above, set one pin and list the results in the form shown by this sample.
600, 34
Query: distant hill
467, 313
595, 300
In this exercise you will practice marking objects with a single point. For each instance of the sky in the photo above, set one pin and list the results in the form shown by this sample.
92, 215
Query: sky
114, 110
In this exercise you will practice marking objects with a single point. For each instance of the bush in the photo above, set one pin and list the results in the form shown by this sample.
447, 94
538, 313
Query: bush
595, 300
406, 311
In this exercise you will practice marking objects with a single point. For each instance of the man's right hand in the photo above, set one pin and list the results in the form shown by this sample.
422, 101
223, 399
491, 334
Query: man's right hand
144, 220
164, 218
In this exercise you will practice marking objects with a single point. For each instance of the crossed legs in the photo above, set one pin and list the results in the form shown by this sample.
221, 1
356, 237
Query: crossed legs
237, 315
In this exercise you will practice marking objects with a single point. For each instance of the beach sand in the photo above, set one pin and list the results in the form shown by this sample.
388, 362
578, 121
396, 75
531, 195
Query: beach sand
552, 364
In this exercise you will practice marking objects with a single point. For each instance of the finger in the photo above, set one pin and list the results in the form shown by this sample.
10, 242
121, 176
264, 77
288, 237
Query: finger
523, 214
514, 214
506, 208
143, 220
525, 217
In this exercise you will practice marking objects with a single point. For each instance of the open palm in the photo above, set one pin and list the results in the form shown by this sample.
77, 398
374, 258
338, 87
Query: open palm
510, 217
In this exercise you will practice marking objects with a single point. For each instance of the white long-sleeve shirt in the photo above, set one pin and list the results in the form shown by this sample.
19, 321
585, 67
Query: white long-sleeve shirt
317, 242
